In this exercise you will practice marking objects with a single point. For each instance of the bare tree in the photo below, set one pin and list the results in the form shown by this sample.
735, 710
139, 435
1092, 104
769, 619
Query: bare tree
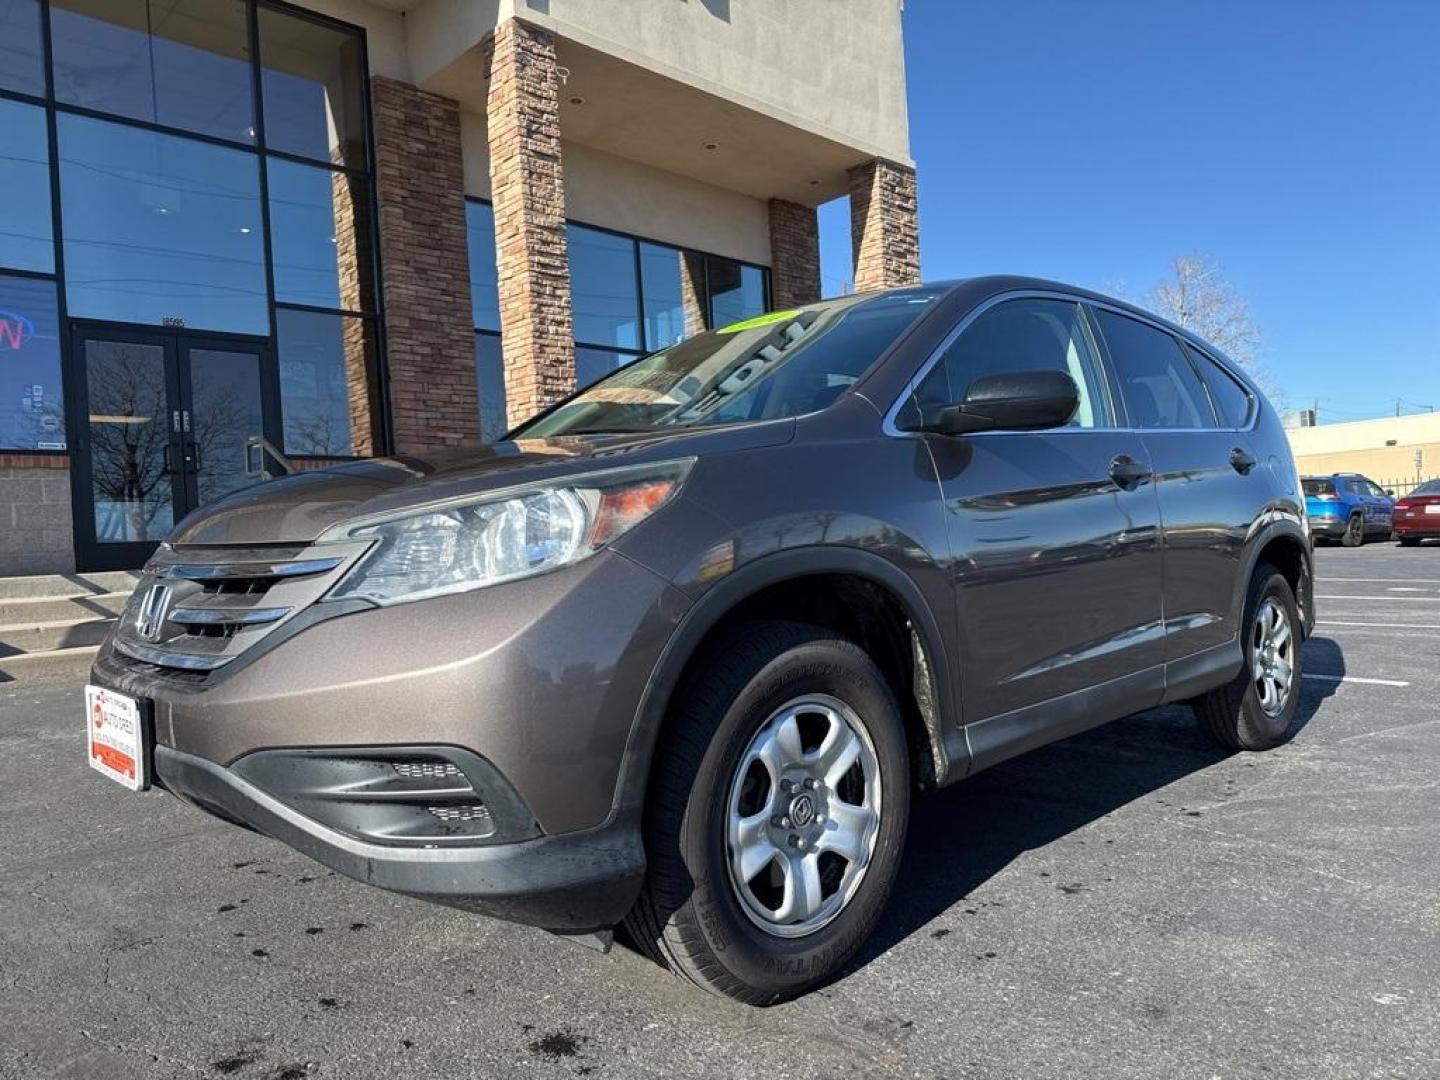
1196, 295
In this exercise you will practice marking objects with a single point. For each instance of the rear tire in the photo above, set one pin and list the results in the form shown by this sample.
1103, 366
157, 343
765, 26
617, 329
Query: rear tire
1354, 532
724, 742
1408, 541
1245, 714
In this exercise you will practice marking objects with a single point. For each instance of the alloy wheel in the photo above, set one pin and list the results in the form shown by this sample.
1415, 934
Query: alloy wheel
1272, 656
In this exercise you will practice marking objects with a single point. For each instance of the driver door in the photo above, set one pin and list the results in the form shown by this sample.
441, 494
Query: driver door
1055, 536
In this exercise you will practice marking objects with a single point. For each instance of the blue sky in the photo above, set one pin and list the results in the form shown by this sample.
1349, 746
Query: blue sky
1297, 143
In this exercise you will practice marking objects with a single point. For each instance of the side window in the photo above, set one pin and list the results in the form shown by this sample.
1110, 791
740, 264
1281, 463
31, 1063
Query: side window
1232, 401
1160, 387
1022, 335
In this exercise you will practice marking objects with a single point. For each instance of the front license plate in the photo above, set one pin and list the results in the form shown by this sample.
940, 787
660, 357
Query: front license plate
1432, 508
115, 732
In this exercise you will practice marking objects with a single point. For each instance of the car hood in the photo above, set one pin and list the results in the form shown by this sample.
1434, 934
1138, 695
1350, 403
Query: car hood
300, 507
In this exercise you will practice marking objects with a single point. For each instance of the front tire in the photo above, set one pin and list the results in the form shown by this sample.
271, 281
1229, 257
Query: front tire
776, 816
1257, 710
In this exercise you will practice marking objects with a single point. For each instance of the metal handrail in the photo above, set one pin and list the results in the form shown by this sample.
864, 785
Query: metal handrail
259, 452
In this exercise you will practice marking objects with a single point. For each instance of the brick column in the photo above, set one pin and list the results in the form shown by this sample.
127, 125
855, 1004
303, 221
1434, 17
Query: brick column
692, 291
884, 225
350, 206
794, 254
425, 268
527, 186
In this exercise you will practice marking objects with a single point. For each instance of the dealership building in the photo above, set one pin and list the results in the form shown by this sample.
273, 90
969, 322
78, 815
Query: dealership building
360, 227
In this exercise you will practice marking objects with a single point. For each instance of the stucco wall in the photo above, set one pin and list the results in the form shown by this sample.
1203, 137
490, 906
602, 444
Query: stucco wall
601, 189
833, 67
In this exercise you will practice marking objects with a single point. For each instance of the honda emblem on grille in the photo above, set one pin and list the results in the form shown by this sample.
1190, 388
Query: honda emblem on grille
150, 618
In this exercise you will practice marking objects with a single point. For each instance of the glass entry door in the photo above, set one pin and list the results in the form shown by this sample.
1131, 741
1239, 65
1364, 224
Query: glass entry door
164, 419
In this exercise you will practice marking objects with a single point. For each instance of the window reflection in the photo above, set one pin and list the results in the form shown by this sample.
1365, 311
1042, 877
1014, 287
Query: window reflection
32, 409
666, 274
327, 367
180, 63
129, 439
490, 380
25, 217
737, 291
22, 62
484, 278
312, 77
591, 365
318, 247
603, 288
160, 228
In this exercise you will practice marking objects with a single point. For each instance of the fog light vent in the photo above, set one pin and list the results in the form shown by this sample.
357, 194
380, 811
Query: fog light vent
426, 770
469, 812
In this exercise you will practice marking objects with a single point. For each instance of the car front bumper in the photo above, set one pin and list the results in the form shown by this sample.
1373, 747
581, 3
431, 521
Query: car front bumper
574, 882
533, 686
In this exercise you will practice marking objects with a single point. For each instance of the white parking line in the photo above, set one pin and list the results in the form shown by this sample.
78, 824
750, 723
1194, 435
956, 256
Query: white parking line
1411, 580
1403, 588
1392, 625
1388, 599
1354, 679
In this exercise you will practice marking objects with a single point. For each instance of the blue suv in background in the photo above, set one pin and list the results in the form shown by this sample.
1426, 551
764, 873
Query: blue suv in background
1347, 507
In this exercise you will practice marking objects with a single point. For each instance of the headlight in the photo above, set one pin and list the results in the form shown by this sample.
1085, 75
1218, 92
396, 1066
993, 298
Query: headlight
467, 544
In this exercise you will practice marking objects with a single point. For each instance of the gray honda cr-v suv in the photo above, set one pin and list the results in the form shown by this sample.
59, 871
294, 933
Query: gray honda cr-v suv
677, 653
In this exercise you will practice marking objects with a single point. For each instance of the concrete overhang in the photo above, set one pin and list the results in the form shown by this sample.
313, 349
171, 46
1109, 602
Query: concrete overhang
662, 119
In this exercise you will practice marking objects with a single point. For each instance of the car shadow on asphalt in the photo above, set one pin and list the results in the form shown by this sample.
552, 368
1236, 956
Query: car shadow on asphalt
962, 836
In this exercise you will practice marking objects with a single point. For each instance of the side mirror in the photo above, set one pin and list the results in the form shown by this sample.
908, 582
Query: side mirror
1016, 401
1390, 492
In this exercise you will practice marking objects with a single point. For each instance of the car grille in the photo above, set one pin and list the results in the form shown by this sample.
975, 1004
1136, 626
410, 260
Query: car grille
198, 609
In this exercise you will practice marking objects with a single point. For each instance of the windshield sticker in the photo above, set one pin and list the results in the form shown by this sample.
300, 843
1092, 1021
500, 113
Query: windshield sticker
758, 321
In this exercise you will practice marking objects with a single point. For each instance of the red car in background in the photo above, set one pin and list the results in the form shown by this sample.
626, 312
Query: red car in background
1417, 515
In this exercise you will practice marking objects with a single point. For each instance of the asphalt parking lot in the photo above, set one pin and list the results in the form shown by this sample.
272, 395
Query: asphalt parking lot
1128, 903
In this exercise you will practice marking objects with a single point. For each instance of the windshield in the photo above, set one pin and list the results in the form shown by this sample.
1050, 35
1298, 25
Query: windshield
787, 363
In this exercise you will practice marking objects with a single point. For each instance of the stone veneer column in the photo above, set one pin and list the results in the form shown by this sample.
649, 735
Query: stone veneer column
350, 206
692, 291
425, 268
794, 254
884, 225
527, 187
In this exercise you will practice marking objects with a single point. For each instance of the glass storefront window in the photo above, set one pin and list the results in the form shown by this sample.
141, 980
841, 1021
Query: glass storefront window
32, 408
321, 356
662, 283
312, 76
737, 291
180, 63
594, 364
603, 288
22, 61
26, 242
490, 381
160, 229
484, 278
320, 247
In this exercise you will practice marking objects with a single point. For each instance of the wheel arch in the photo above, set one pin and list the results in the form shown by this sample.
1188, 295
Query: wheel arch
770, 576
1289, 551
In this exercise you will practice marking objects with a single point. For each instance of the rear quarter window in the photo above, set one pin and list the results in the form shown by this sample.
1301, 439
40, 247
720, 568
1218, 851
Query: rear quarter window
1232, 401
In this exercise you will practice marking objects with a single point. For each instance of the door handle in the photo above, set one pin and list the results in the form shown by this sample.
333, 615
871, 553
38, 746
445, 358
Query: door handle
1241, 461
1129, 473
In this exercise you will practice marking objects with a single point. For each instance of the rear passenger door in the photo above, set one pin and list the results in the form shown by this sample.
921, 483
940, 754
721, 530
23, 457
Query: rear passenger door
1194, 420
1054, 534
